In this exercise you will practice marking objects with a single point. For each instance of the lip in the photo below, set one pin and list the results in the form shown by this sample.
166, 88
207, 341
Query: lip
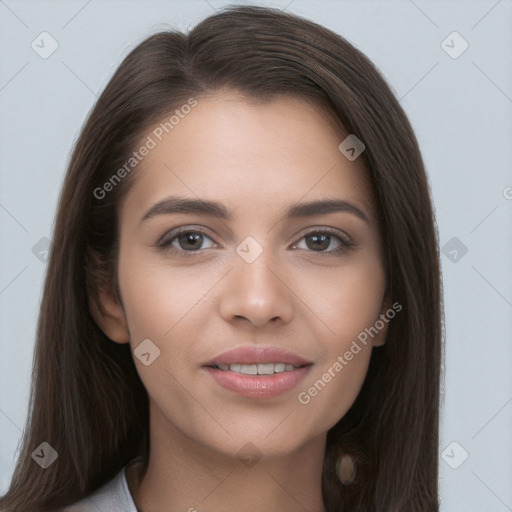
258, 386
255, 355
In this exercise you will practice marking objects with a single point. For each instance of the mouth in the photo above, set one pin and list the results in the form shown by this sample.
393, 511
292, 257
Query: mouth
257, 369
258, 372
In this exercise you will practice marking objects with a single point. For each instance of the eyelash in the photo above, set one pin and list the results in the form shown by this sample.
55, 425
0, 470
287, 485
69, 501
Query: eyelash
166, 241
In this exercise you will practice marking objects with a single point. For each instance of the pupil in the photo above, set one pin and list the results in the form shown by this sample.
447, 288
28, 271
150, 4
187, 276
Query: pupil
320, 242
191, 238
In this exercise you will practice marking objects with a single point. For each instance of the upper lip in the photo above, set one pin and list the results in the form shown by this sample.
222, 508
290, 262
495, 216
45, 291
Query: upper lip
255, 355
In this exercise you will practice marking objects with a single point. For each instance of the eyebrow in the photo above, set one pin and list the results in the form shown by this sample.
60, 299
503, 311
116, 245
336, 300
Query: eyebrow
175, 204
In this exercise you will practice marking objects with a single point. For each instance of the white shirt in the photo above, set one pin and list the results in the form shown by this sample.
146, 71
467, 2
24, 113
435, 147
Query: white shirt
113, 496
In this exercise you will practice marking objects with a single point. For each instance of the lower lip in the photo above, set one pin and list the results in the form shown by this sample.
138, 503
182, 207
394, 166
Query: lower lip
258, 386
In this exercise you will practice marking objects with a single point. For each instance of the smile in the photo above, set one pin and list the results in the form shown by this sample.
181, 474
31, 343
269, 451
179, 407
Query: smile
257, 369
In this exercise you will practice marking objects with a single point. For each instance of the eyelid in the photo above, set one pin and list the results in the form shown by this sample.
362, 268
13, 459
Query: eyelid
345, 240
173, 233
200, 229
344, 237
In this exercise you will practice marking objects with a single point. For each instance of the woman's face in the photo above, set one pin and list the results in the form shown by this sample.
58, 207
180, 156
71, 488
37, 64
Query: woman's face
249, 275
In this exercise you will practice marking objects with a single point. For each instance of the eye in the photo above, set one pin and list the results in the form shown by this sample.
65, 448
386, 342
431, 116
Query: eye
185, 240
188, 241
319, 241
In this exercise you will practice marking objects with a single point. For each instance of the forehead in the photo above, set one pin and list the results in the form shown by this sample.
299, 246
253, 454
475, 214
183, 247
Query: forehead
248, 154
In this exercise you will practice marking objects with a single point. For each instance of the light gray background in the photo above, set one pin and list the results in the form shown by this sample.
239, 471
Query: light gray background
460, 109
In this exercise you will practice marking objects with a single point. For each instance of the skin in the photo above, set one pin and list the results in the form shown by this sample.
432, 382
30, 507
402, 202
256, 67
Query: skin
256, 158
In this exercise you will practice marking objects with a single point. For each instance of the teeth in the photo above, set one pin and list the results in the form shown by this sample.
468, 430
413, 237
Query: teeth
249, 369
257, 369
265, 369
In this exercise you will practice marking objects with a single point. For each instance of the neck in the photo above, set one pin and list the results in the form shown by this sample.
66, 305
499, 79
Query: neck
184, 475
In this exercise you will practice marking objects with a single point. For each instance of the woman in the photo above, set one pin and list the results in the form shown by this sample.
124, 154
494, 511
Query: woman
243, 290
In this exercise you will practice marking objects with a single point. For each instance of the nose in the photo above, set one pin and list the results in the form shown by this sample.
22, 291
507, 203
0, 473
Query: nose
257, 292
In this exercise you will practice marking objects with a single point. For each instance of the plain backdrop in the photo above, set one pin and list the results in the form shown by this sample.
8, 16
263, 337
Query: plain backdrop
459, 101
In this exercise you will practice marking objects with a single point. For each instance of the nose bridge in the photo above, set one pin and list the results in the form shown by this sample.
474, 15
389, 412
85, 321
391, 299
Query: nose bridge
255, 267
255, 290
259, 272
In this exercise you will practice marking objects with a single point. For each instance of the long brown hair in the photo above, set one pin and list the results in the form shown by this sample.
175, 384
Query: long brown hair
87, 400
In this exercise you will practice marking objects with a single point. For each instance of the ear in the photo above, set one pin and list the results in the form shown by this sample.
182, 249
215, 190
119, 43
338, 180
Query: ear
104, 299
108, 313
381, 322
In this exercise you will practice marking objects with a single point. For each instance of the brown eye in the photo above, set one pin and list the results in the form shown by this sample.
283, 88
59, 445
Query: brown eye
190, 241
325, 242
186, 241
318, 242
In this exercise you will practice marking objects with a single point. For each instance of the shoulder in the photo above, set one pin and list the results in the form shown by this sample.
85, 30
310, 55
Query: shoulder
113, 496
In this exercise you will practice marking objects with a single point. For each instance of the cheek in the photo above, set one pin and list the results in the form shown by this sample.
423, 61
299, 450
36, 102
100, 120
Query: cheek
345, 305
344, 302
169, 306
333, 388
158, 297
163, 304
